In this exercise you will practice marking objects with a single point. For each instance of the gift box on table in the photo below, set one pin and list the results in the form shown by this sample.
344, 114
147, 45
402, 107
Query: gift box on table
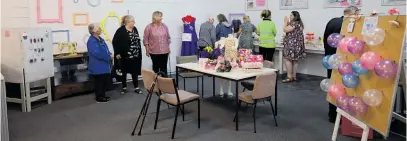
252, 62
353, 130
244, 54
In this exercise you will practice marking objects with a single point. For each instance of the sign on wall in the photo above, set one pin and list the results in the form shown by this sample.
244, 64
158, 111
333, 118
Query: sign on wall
293, 4
342, 3
256, 5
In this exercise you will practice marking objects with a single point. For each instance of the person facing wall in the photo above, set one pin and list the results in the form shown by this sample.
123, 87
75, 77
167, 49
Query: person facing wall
207, 35
246, 34
294, 47
335, 26
127, 49
223, 29
99, 62
157, 43
267, 32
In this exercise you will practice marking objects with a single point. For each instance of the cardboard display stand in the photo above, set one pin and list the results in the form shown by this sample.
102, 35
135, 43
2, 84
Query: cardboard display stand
379, 117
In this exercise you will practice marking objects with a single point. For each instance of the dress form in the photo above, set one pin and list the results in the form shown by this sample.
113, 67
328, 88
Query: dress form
230, 43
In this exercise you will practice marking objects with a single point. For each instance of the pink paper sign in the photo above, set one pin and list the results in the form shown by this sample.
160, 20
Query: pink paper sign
260, 3
6, 33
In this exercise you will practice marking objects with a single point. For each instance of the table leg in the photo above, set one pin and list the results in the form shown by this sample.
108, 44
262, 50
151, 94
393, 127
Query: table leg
176, 75
281, 61
213, 85
237, 106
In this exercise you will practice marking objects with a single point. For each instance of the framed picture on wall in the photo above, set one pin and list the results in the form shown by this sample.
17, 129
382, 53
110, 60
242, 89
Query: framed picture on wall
256, 5
393, 2
341, 3
293, 4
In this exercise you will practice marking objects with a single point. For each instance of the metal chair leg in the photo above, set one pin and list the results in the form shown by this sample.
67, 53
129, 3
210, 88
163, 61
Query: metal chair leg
157, 113
254, 115
175, 122
184, 83
199, 113
182, 112
274, 115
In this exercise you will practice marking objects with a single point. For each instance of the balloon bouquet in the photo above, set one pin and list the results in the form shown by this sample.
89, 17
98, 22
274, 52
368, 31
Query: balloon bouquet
351, 71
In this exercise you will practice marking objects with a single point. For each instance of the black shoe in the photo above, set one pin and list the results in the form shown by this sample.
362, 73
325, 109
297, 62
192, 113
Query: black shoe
107, 98
102, 100
124, 90
138, 91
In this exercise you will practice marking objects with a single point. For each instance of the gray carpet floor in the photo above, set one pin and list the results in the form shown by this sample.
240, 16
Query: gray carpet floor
302, 116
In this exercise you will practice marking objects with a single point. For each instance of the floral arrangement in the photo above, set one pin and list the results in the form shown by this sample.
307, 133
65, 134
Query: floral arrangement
210, 53
224, 66
394, 11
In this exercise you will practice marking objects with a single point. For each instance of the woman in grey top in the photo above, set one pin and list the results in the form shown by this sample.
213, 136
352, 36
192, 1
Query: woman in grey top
246, 34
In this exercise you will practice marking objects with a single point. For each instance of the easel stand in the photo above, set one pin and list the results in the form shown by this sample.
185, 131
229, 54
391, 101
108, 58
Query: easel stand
341, 113
26, 98
144, 109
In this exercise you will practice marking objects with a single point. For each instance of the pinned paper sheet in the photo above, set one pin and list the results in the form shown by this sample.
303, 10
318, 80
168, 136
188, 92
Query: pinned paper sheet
187, 37
6, 33
260, 3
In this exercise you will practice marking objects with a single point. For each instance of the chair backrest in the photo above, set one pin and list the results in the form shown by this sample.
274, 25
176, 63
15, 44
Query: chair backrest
268, 64
264, 85
167, 86
186, 59
148, 79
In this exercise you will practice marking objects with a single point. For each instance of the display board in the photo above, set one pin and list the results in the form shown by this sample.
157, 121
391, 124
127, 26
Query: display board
27, 54
377, 117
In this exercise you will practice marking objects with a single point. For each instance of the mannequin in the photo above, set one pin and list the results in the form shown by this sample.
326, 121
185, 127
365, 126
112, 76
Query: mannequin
230, 44
189, 37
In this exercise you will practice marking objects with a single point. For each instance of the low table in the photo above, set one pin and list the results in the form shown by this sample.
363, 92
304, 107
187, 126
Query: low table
235, 75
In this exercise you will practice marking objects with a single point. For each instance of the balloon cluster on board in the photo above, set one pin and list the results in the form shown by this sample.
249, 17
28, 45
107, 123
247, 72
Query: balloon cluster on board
351, 71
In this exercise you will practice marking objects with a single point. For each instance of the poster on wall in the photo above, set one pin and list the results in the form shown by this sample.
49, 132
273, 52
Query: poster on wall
341, 3
369, 23
256, 5
394, 2
293, 4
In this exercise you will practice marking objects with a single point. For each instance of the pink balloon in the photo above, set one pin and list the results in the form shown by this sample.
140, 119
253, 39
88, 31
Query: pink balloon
357, 106
336, 91
369, 60
386, 68
356, 46
343, 102
343, 44
345, 68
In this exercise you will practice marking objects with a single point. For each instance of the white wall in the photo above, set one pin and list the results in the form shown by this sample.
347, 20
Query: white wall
315, 17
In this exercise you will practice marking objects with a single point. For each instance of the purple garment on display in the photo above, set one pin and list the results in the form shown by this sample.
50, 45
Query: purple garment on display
190, 47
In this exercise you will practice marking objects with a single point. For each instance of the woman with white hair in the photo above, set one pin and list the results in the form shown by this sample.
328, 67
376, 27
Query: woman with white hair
157, 42
99, 62
127, 49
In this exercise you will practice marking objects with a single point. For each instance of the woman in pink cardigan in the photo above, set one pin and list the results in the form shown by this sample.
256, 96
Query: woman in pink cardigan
157, 43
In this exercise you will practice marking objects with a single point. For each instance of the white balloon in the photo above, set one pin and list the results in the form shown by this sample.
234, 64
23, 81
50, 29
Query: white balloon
373, 97
335, 60
325, 84
374, 36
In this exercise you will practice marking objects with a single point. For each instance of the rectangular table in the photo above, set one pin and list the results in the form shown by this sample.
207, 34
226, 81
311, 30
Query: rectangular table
235, 75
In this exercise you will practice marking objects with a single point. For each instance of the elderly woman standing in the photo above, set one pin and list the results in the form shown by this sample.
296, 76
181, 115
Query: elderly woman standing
157, 42
246, 34
127, 49
99, 62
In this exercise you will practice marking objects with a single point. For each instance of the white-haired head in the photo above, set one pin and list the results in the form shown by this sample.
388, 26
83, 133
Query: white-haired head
93, 28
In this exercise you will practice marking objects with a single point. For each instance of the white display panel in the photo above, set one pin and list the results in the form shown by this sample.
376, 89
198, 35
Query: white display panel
27, 54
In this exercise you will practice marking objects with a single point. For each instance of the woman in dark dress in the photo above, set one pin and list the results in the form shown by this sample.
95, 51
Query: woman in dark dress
294, 48
127, 49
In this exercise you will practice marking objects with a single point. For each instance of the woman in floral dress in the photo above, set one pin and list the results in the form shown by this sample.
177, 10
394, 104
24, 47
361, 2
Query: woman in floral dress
294, 48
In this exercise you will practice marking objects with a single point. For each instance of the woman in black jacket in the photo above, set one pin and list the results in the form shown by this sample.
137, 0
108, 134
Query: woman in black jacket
127, 49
